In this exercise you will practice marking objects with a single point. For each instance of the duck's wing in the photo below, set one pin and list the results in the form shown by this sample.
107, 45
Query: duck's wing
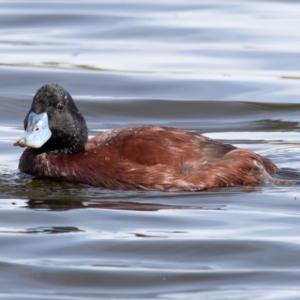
152, 145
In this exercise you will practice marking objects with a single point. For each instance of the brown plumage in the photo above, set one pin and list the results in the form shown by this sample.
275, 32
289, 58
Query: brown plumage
140, 157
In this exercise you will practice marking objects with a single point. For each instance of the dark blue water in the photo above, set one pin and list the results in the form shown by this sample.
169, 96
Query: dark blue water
229, 70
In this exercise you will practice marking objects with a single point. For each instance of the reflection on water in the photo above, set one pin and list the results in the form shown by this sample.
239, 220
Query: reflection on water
230, 71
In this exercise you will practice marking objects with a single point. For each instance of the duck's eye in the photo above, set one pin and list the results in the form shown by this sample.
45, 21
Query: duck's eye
60, 106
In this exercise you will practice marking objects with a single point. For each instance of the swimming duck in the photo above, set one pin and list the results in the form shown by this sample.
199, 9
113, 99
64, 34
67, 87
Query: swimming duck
143, 157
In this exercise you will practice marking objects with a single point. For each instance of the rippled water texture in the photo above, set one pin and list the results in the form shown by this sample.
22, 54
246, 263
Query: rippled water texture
227, 69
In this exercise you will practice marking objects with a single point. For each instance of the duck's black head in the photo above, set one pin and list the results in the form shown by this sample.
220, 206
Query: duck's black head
53, 108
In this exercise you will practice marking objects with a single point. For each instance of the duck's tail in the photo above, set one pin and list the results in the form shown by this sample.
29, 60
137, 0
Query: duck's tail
263, 176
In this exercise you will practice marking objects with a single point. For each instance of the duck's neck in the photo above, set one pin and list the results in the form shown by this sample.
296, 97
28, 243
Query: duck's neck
66, 143
68, 147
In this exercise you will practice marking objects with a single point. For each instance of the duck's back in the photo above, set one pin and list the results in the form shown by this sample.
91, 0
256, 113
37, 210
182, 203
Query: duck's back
164, 158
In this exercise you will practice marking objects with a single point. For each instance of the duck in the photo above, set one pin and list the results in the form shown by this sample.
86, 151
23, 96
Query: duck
145, 157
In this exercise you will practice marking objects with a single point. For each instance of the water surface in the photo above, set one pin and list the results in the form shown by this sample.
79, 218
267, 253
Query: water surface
227, 70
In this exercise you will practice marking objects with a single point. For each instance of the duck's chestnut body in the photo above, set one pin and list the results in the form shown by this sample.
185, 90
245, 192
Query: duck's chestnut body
141, 157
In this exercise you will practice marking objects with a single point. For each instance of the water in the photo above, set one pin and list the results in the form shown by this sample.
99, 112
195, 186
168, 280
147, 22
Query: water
229, 70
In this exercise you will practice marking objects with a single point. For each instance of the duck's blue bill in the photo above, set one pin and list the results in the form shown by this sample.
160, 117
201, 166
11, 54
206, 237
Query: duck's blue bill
37, 131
